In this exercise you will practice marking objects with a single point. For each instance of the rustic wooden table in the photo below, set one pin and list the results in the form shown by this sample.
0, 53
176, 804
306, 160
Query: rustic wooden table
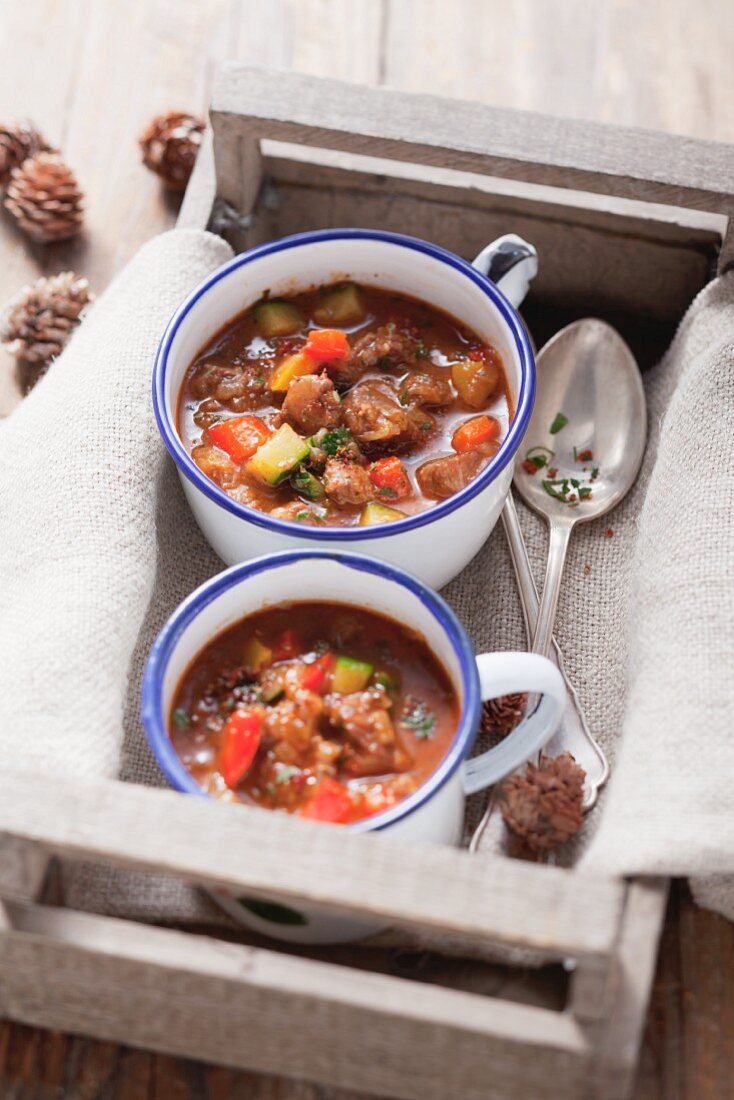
91, 73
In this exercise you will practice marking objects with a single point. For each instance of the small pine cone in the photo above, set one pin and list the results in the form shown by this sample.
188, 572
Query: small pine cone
40, 319
501, 715
44, 198
17, 143
170, 145
542, 804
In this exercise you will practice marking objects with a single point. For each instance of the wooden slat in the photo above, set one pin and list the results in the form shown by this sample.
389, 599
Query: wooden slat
635, 164
590, 259
242, 1006
617, 1033
247, 849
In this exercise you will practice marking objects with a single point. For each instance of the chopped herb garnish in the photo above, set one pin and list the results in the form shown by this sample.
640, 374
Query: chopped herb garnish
404, 397
575, 482
536, 458
425, 426
420, 720
286, 773
386, 491
557, 488
584, 492
334, 439
304, 515
560, 421
181, 719
594, 473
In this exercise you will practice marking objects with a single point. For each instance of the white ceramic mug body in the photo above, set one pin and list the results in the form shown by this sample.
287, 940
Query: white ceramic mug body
435, 812
435, 544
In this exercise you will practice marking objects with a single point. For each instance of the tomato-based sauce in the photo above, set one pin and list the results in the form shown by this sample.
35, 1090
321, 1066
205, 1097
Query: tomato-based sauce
344, 405
325, 710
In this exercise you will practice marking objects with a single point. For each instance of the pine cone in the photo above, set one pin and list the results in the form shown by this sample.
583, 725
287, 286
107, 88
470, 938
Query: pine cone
542, 805
170, 144
44, 198
501, 715
17, 143
40, 319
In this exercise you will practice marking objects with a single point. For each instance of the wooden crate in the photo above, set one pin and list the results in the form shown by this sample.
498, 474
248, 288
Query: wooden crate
629, 225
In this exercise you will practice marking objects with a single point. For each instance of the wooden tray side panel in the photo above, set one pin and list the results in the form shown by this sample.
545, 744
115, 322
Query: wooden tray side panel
445, 892
249, 105
251, 1008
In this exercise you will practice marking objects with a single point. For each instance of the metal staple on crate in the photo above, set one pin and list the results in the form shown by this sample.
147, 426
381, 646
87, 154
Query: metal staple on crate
226, 218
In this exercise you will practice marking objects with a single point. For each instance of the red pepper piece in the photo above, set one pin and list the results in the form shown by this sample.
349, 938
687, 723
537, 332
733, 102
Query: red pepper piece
529, 467
473, 433
314, 675
585, 456
241, 741
287, 646
239, 436
389, 477
331, 802
327, 344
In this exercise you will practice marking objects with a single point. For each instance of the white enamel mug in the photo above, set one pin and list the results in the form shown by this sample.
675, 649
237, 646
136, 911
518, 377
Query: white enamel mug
437, 543
435, 812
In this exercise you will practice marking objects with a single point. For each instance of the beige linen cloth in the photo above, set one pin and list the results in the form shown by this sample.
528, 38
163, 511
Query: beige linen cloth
97, 547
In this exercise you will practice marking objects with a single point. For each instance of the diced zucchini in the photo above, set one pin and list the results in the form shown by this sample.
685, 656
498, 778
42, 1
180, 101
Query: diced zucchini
276, 459
277, 318
350, 675
272, 691
256, 655
386, 680
307, 485
294, 366
374, 512
340, 305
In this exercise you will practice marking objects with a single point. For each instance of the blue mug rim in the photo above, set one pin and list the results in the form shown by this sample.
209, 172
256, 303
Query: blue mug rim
155, 722
504, 455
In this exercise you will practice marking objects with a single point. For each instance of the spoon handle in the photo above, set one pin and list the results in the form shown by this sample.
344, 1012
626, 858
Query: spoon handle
558, 539
574, 734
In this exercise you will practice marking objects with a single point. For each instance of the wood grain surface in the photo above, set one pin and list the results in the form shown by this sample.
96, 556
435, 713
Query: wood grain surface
91, 73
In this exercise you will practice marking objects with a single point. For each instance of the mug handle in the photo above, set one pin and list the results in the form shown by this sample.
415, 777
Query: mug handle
510, 263
509, 674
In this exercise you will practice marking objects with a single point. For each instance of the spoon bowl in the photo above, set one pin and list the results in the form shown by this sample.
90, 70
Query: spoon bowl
588, 376
586, 441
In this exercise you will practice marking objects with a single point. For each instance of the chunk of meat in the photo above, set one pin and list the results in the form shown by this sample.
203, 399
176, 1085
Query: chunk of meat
312, 403
237, 387
428, 386
347, 483
363, 718
442, 477
385, 348
290, 725
374, 415
216, 465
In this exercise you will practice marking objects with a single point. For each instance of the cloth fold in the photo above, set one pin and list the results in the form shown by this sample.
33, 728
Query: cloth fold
98, 546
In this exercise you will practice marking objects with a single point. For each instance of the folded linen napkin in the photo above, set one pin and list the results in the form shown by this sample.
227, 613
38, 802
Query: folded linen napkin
86, 587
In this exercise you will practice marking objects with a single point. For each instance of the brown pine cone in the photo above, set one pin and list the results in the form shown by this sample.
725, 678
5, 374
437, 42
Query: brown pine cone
501, 715
170, 145
542, 804
44, 198
17, 143
37, 323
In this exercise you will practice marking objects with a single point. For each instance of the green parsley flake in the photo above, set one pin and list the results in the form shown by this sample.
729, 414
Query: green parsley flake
560, 421
286, 773
419, 719
181, 719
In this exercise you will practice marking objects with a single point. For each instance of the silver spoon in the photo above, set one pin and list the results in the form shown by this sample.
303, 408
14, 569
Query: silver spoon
590, 398
573, 735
